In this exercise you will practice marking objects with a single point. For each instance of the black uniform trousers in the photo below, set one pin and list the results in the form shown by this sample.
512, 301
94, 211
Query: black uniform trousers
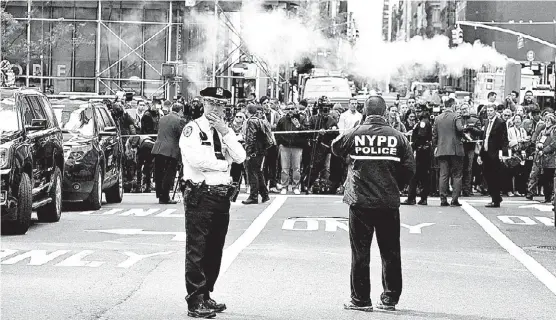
206, 227
270, 166
237, 170
256, 178
423, 158
164, 175
363, 222
492, 168
144, 165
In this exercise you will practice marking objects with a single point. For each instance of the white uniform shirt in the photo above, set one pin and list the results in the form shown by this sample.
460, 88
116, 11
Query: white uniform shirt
200, 162
349, 119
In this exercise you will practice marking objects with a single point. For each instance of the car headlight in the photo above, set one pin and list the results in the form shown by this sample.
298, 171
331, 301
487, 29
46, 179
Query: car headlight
4, 157
77, 153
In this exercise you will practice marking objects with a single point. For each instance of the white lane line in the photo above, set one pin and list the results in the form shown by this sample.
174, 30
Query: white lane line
540, 272
231, 252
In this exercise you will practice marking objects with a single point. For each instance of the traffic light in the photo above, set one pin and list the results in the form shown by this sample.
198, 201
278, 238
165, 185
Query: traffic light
457, 36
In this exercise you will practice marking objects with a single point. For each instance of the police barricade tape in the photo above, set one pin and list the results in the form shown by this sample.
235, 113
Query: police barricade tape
273, 132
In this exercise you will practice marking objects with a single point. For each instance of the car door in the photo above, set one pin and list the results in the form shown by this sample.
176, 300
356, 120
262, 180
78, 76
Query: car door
42, 153
117, 151
106, 144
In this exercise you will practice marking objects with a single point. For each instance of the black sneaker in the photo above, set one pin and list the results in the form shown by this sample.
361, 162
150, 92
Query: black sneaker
384, 306
409, 202
201, 311
352, 306
217, 307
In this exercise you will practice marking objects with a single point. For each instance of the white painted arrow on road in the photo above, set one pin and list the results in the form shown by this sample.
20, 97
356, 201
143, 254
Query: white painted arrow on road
178, 236
540, 207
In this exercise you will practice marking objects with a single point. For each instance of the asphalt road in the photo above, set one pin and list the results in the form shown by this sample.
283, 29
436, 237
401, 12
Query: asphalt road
287, 259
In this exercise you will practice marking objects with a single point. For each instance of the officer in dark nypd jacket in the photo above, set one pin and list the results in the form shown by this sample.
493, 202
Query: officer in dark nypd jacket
381, 164
208, 148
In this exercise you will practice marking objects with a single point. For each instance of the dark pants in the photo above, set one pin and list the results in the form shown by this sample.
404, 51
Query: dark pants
206, 227
491, 171
164, 175
422, 175
256, 178
467, 173
363, 223
547, 183
270, 166
236, 172
534, 175
450, 166
318, 163
144, 166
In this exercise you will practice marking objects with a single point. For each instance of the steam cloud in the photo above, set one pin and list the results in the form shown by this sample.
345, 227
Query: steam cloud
279, 38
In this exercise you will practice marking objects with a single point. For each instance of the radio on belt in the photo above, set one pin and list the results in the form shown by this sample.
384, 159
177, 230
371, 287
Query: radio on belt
376, 145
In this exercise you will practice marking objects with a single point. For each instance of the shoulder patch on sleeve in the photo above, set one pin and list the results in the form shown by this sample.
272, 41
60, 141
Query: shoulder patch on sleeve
187, 131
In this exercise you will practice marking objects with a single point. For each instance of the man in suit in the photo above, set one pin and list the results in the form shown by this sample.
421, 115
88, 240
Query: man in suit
494, 145
166, 153
447, 138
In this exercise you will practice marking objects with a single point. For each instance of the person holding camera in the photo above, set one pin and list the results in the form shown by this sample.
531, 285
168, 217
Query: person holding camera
325, 129
208, 148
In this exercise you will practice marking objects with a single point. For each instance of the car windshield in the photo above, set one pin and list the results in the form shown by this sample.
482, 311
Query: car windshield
330, 87
8, 113
75, 118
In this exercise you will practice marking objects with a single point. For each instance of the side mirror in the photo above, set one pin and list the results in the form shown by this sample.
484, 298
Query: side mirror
109, 132
37, 124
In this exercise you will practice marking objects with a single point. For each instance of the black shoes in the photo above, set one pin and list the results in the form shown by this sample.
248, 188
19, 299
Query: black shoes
213, 305
455, 203
265, 199
493, 205
352, 306
167, 201
444, 203
422, 202
385, 306
201, 310
250, 201
409, 202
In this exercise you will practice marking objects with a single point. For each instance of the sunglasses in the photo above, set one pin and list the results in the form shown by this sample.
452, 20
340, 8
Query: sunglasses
239, 117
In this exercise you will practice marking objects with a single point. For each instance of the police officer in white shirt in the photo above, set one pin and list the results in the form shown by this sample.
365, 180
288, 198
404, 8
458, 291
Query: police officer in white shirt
208, 148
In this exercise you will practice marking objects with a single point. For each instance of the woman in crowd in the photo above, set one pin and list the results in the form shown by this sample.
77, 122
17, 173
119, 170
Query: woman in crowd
518, 137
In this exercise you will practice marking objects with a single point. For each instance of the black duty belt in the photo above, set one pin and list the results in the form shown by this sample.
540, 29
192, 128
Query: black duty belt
222, 190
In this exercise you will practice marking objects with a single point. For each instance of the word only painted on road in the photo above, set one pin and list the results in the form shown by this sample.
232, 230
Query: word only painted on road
70, 258
526, 221
333, 224
137, 212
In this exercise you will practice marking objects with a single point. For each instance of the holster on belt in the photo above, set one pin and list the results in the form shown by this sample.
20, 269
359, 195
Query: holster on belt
192, 192
226, 191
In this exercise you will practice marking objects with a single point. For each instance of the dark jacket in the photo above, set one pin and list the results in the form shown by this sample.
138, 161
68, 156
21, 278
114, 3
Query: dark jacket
168, 138
382, 164
472, 129
149, 122
498, 139
549, 148
326, 122
126, 125
447, 133
294, 140
421, 135
254, 139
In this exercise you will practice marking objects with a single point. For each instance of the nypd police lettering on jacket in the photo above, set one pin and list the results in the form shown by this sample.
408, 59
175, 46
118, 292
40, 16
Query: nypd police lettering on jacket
381, 164
375, 147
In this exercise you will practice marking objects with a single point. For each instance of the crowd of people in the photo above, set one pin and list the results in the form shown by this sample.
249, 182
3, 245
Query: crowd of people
288, 146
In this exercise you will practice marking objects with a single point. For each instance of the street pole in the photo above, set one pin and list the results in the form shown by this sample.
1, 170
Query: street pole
214, 51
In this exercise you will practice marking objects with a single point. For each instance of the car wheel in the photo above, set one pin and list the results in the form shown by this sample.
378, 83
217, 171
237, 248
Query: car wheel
95, 198
24, 208
53, 210
115, 194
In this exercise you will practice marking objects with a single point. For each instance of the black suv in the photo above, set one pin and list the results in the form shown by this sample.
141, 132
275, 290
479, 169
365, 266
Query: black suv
31, 159
93, 151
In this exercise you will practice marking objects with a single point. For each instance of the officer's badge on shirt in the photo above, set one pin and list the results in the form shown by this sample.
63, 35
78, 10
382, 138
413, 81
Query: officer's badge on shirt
187, 131
423, 124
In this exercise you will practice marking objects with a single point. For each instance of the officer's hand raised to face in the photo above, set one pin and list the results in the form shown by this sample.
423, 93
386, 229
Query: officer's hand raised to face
217, 123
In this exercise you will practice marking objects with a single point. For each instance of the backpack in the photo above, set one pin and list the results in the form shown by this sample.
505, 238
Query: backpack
267, 136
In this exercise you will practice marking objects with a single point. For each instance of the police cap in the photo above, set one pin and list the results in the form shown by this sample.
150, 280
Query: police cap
216, 93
